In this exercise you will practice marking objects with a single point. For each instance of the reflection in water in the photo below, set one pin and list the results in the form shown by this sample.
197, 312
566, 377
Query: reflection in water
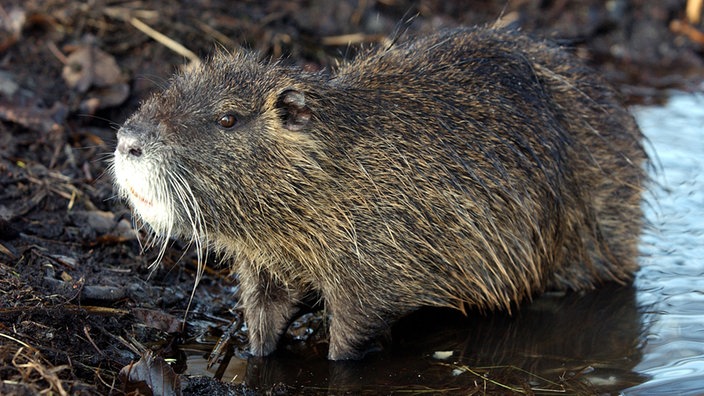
672, 275
592, 337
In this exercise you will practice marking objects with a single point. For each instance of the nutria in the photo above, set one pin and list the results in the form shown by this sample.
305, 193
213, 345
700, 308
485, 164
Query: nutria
470, 168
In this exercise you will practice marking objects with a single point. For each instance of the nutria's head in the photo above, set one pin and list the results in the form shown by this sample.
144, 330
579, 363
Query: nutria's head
215, 152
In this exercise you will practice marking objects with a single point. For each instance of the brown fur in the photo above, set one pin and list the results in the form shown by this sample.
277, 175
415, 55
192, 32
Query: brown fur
473, 167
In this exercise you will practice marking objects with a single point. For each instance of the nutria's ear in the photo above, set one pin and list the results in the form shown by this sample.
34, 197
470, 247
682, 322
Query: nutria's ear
294, 112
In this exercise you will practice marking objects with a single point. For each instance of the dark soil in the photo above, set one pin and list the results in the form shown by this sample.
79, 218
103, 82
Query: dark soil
79, 297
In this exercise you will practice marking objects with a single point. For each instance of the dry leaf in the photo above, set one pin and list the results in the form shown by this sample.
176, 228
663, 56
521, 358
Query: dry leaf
150, 375
89, 66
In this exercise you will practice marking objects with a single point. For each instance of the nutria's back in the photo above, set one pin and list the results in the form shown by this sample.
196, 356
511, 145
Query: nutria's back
474, 167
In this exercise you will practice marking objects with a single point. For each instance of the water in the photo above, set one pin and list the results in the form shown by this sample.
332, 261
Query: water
671, 281
645, 339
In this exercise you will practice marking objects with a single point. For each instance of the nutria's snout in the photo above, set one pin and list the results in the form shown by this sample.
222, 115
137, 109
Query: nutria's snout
128, 144
473, 167
142, 180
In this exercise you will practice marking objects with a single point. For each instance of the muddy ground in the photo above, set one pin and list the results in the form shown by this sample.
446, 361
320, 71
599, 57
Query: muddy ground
80, 302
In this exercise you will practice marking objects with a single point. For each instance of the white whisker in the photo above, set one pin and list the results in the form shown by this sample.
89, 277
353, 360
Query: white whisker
194, 218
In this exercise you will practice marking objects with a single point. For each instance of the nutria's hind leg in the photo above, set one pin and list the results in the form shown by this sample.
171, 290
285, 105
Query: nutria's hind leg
268, 306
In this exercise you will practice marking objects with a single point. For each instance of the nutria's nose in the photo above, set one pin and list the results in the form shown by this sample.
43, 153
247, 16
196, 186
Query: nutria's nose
129, 145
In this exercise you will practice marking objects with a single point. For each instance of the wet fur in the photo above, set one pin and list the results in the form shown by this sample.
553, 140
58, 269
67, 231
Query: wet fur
473, 167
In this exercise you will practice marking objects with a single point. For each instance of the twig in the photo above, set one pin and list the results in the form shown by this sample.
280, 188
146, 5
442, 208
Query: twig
166, 41
220, 37
48, 374
127, 16
684, 28
354, 38
9, 337
57, 53
694, 11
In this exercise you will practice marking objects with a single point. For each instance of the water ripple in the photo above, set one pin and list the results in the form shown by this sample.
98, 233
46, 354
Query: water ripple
671, 280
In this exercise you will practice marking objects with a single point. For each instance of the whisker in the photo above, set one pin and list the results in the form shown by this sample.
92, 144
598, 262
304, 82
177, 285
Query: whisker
194, 217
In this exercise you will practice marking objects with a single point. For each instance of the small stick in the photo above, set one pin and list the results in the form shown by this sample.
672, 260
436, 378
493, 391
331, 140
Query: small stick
694, 11
354, 38
166, 41
684, 28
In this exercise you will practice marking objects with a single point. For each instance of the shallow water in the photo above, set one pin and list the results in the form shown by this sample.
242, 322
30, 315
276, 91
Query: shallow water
671, 281
645, 339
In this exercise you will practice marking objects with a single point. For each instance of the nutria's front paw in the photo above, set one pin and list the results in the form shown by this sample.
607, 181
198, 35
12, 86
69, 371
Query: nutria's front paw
262, 341
265, 324
268, 306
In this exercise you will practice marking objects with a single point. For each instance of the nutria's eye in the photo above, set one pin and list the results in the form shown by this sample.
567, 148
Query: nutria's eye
227, 121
